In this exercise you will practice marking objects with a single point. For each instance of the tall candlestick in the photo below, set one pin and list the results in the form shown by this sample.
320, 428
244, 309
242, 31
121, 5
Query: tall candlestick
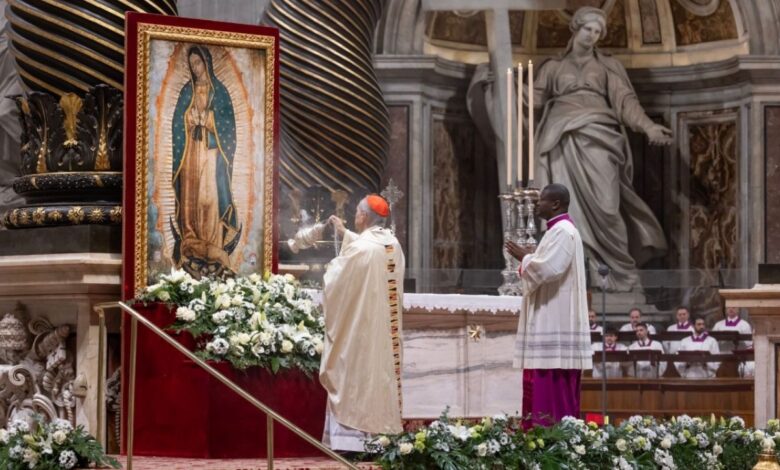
520, 122
508, 139
530, 120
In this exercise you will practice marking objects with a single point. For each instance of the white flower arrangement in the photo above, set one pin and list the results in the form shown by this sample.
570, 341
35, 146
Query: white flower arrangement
639, 443
55, 445
249, 321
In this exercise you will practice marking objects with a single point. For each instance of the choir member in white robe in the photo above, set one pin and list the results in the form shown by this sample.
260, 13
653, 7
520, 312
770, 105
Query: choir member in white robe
698, 341
553, 334
362, 301
646, 369
635, 318
733, 322
594, 326
683, 325
610, 344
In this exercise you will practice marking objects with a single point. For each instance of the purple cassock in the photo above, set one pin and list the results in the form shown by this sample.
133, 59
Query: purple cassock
551, 394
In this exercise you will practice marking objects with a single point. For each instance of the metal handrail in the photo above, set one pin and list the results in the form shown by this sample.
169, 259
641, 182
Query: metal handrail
271, 415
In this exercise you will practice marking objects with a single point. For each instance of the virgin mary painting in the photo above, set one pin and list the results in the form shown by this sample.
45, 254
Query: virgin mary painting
205, 225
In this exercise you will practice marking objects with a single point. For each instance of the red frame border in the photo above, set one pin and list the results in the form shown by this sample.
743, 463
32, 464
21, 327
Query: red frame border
132, 20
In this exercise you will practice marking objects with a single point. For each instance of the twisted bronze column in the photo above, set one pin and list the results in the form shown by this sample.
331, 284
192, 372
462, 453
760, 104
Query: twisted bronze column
334, 122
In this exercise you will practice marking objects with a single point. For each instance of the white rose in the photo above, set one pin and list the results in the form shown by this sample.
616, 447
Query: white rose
666, 443
621, 445
164, 296
59, 437
717, 449
383, 441
768, 444
223, 301
177, 275
482, 450
237, 300
579, 449
318, 346
255, 278
289, 278
287, 347
405, 448
185, 314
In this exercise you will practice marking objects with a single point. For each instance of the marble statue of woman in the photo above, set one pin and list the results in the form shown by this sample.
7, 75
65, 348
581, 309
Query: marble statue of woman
205, 227
587, 101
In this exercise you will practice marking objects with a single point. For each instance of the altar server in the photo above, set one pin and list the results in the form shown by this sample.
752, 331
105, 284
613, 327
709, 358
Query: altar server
683, 324
635, 318
362, 302
646, 369
733, 322
593, 322
614, 369
698, 341
553, 335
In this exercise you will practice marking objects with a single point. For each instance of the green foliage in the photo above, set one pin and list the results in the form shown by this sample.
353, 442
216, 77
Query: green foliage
640, 443
50, 446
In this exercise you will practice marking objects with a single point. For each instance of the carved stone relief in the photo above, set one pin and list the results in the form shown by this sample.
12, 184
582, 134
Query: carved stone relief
691, 28
37, 373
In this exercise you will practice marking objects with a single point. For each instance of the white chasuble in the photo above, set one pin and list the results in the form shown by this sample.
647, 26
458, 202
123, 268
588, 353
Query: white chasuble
553, 330
362, 302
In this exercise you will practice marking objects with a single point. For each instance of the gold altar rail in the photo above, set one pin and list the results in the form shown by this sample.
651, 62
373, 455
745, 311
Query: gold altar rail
136, 317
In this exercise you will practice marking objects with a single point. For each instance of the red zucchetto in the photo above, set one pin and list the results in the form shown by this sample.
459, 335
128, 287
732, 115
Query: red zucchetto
378, 205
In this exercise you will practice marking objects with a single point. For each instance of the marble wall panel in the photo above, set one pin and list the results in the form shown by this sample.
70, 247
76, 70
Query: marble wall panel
466, 225
455, 27
651, 26
397, 168
713, 195
772, 183
690, 28
553, 26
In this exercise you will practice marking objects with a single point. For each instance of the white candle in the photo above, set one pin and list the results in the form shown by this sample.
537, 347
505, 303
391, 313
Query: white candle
508, 139
520, 122
530, 120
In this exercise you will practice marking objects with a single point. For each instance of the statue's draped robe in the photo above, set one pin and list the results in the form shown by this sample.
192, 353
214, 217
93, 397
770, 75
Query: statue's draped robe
205, 217
580, 143
553, 334
362, 303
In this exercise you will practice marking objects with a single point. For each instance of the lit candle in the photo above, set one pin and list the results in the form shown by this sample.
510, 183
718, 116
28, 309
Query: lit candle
520, 122
530, 120
508, 139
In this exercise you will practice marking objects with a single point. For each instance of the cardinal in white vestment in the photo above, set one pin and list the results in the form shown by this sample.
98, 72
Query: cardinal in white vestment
683, 325
698, 341
646, 369
362, 304
733, 322
553, 334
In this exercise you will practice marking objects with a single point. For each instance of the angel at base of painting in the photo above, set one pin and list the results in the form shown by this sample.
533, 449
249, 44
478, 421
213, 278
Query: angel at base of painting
205, 227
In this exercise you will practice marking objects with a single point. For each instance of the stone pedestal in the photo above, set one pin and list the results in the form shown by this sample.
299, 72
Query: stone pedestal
763, 305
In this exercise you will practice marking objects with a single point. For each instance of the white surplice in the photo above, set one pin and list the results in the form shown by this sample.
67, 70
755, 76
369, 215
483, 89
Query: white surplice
553, 330
630, 327
645, 369
360, 368
698, 370
673, 346
614, 369
747, 368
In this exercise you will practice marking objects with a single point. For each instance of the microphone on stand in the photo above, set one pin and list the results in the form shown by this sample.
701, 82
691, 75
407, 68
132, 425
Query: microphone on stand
603, 272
